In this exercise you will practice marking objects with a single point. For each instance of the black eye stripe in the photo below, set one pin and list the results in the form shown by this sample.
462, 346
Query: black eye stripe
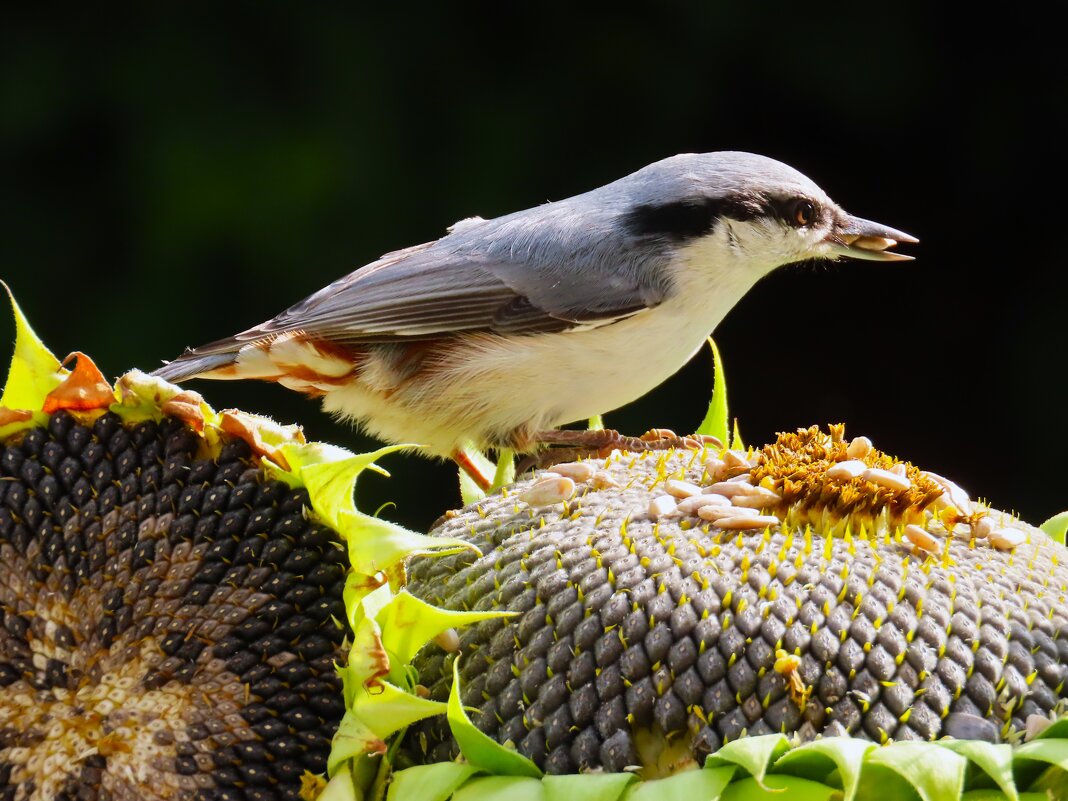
684, 220
689, 219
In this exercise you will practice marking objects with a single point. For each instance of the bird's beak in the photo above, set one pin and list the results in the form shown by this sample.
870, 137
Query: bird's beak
854, 238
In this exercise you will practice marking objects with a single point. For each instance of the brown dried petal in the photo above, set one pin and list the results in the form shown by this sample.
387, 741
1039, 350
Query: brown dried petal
83, 390
186, 407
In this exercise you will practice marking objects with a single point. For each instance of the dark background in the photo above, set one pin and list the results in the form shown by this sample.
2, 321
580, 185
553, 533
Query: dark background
165, 181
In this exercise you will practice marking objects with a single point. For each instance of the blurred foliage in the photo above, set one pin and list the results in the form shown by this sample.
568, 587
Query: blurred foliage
171, 177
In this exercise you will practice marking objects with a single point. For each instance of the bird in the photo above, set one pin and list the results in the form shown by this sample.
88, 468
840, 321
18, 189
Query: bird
505, 329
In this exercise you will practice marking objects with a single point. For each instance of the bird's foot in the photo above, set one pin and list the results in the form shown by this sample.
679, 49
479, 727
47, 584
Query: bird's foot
568, 445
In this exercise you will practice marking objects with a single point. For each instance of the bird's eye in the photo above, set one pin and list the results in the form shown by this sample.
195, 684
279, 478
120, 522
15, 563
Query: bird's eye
803, 213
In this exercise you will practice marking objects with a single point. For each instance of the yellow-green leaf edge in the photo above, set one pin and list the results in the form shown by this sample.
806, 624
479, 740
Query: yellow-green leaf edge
716, 418
381, 697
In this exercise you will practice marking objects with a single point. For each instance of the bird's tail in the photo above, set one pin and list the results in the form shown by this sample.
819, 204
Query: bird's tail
194, 365
291, 359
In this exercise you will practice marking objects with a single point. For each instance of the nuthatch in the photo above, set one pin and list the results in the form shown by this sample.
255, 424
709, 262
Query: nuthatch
504, 329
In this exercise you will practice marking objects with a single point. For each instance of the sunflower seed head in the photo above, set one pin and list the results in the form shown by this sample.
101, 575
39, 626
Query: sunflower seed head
168, 618
636, 635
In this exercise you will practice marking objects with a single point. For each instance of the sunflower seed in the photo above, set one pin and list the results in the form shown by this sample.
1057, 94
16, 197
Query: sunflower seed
983, 527
1005, 539
921, 538
731, 489
681, 489
736, 461
943, 502
602, 479
661, 505
689, 506
845, 471
1035, 725
740, 523
965, 726
884, 478
858, 448
757, 498
716, 469
958, 498
548, 491
448, 640
715, 512
577, 471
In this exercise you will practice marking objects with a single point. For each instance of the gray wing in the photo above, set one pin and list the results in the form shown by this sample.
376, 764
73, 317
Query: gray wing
431, 290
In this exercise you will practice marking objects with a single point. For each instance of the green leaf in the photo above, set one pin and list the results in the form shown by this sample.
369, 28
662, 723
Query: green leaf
1057, 729
1054, 752
586, 786
994, 760
478, 748
817, 759
340, 787
376, 545
715, 422
1053, 782
408, 623
780, 788
353, 738
935, 775
331, 481
596, 423
368, 661
997, 795
880, 783
357, 587
34, 371
1028, 757
753, 754
428, 782
365, 770
707, 784
1056, 527
373, 716
499, 788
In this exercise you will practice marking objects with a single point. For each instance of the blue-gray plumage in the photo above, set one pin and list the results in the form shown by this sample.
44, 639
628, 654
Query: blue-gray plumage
507, 327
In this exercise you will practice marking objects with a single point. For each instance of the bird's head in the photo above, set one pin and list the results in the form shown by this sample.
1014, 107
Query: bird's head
750, 210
